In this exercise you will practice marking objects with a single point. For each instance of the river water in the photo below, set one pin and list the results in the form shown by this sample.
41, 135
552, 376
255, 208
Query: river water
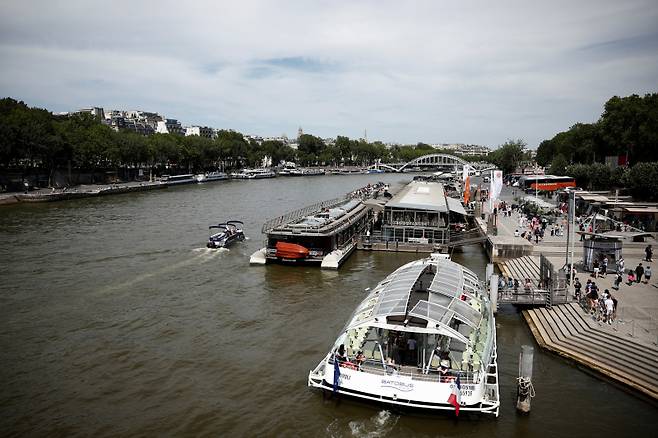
115, 320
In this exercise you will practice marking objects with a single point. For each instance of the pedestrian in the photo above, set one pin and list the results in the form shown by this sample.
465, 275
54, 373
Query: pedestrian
649, 253
631, 277
620, 265
618, 279
647, 274
604, 267
576, 287
595, 269
639, 271
614, 309
609, 309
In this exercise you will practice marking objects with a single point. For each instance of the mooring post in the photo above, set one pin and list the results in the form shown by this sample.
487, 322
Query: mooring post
525, 391
493, 292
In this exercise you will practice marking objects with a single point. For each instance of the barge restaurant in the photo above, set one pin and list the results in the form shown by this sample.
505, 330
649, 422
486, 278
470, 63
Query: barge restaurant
324, 233
421, 213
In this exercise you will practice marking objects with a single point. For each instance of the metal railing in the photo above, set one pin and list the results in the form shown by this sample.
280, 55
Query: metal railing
302, 212
520, 295
373, 366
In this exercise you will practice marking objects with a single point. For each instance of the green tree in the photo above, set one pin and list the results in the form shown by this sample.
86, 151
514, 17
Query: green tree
642, 180
558, 165
630, 125
509, 155
581, 173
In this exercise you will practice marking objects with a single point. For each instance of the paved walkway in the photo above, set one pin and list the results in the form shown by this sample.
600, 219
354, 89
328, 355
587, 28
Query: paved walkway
637, 313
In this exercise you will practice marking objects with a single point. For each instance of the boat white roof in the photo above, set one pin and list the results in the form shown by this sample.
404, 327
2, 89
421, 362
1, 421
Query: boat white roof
455, 206
420, 195
451, 282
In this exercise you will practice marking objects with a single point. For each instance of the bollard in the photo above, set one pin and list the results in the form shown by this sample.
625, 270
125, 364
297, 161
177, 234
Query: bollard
493, 292
525, 390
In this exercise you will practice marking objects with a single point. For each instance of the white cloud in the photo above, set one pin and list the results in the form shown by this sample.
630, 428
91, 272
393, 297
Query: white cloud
421, 71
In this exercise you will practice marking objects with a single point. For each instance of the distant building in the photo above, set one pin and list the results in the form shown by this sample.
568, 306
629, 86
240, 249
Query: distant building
201, 131
169, 126
462, 149
94, 111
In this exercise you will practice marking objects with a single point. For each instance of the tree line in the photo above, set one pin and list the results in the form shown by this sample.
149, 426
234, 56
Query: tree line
35, 138
627, 128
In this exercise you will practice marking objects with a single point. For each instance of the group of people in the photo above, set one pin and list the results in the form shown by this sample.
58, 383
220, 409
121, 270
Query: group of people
530, 227
600, 269
399, 350
514, 284
603, 305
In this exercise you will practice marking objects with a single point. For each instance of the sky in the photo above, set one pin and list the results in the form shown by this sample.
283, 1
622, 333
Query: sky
476, 72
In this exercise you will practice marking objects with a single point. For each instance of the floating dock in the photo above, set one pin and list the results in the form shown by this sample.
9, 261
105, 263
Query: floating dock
566, 330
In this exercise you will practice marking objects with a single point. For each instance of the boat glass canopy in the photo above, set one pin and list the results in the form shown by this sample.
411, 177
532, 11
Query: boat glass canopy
453, 297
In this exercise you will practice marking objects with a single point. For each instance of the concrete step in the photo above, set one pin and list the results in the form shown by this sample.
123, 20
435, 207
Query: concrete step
568, 331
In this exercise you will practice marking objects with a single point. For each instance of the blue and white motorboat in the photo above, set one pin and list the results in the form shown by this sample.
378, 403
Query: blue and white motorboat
226, 234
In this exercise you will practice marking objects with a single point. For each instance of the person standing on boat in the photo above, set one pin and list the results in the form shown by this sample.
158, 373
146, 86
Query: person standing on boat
340, 354
411, 351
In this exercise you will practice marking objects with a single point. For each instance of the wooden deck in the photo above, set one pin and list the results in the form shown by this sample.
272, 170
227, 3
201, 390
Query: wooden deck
566, 330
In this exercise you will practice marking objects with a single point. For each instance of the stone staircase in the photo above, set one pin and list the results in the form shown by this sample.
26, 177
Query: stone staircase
568, 331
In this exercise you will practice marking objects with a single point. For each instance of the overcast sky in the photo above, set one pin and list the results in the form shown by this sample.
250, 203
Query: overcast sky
433, 71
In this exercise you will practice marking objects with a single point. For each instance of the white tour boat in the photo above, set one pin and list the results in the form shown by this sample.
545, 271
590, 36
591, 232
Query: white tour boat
424, 337
211, 176
174, 180
253, 174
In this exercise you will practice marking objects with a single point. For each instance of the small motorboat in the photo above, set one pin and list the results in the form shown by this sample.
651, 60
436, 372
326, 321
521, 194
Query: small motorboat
286, 250
228, 233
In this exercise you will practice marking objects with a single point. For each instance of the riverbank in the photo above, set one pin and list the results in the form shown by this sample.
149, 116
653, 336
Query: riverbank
77, 192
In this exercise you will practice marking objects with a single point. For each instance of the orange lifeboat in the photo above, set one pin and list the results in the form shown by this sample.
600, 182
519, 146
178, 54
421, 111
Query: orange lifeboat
290, 250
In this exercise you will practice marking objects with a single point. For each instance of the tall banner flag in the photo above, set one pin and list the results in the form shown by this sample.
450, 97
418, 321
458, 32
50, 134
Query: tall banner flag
455, 398
466, 178
496, 187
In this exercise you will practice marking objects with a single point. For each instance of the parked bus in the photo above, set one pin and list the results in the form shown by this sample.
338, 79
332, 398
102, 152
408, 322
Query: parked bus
546, 182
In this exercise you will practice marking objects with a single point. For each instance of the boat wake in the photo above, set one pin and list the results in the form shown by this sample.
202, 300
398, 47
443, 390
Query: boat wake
201, 255
379, 425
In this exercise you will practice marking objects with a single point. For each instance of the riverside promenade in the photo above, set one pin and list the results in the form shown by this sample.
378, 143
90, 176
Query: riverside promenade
626, 350
81, 191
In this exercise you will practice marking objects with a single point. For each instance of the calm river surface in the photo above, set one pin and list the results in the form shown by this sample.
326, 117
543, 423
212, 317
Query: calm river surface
115, 320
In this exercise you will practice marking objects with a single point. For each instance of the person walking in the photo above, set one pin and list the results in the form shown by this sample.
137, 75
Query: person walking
618, 279
647, 274
649, 253
604, 267
620, 265
639, 271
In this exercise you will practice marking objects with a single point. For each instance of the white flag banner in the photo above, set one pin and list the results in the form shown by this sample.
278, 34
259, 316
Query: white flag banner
465, 173
496, 186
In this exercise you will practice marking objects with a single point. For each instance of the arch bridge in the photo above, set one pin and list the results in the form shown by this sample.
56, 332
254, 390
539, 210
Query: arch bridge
435, 161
